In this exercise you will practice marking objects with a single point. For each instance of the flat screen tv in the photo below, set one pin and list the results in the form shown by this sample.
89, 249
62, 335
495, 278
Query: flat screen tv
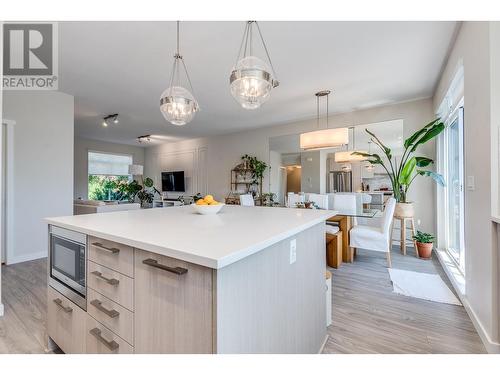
172, 181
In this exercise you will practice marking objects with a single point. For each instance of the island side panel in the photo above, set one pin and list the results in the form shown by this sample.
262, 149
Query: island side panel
264, 304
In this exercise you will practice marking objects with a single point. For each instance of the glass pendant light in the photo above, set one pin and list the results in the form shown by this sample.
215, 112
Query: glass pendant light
252, 79
177, 104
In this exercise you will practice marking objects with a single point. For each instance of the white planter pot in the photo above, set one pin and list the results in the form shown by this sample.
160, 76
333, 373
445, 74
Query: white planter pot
404, 210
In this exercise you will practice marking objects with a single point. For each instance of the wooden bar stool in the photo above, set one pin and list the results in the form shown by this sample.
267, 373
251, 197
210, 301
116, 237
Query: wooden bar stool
403, 240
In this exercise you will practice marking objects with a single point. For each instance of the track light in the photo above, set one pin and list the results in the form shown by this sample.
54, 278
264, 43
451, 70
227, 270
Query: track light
108, 118
144, 138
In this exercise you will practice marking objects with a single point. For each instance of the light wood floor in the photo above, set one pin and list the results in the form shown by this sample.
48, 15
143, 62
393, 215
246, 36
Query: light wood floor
24, 295
368, 317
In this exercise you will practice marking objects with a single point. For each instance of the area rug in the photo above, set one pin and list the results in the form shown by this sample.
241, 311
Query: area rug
422, 285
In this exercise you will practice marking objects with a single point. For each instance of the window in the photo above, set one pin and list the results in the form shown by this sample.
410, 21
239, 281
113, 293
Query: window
450, 164
108, 175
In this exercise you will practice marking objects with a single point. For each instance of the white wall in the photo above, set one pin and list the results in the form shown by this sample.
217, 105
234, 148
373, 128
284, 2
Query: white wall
42, 168
83, 146
472, 49
224, 152
275, 175
311, 171
1, 153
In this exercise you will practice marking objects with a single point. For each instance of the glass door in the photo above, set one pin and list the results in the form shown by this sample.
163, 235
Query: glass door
454, 190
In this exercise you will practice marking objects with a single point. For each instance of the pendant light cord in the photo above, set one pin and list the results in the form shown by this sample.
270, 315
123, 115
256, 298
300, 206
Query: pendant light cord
265, 49
327, 105
178, 54
317, 111
247, 44
175, 77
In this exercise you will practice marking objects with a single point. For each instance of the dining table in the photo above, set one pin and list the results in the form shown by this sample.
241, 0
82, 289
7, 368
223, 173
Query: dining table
344, 220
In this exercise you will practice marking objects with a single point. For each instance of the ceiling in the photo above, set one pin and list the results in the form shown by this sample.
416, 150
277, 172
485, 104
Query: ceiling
123, 67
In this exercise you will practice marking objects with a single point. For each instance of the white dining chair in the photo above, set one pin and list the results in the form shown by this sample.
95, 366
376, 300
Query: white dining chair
247, 200
293, 199
375, 238
321, 200
346, 203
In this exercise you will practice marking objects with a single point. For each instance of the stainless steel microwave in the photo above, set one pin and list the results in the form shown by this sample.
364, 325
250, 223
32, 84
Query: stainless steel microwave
67, 264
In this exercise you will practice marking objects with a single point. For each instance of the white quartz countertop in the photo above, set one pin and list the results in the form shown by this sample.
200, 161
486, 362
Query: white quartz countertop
213, 241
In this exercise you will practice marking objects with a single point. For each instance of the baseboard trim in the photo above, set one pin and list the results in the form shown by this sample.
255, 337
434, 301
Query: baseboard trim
1, 309
491, 346
26, 258
324, 344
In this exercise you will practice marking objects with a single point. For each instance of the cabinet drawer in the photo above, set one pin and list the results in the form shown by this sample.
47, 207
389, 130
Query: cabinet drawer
113, 316
114, 285
113, 255
100, 340
65, 323
173, 311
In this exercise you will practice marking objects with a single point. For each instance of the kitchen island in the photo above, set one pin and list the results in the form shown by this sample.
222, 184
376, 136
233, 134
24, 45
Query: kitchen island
167, 280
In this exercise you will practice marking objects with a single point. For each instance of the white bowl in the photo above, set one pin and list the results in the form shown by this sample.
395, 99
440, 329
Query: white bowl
207, 210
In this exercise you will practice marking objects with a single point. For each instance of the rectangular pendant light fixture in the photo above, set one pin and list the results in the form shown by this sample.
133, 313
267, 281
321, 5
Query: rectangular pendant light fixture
346, 156
326, 138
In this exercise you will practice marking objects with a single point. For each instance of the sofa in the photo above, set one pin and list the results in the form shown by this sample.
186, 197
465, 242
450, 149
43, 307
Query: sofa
82, 206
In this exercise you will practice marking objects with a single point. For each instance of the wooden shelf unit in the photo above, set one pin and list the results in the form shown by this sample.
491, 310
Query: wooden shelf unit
235, 184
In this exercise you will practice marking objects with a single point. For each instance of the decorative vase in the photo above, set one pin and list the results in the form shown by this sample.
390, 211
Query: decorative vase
424, 250
404, 210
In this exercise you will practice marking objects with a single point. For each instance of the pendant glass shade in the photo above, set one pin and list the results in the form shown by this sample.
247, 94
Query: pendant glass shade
252, 79
324, 138
251, 82
178, 105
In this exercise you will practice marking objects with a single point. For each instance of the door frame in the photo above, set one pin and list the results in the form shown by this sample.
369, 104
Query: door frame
456, 114
7, 215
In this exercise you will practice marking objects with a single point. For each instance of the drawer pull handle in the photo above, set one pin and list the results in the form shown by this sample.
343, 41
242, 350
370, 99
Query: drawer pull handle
67, 309
109, 281
111, 345
112, 250
154, 263
98, 305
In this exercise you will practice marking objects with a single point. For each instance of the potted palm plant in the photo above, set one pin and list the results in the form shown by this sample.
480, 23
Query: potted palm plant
424, 244
403, 172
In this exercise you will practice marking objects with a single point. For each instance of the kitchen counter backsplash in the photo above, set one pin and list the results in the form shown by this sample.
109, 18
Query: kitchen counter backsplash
378, 182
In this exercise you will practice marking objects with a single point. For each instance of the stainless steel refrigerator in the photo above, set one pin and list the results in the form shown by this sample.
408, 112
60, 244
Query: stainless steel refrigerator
339, 182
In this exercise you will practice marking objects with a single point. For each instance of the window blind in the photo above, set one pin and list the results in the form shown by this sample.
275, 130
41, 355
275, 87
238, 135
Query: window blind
108, 164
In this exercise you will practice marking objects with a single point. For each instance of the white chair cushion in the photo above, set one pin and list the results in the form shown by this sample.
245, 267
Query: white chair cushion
369, 238
331, 229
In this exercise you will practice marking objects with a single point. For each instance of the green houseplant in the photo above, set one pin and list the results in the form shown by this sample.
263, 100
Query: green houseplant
403, 172
258, 167
424, 244
144, 192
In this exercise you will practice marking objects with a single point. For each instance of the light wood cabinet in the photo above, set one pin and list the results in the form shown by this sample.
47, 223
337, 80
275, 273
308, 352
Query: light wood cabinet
100, 340
173, 305
65, 323
112, 315
111, 284
112, 255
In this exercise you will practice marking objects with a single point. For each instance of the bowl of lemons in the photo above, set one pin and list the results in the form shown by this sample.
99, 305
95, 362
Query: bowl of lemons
207, 205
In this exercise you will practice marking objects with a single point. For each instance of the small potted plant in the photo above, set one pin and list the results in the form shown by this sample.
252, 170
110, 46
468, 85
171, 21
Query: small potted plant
424, 244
